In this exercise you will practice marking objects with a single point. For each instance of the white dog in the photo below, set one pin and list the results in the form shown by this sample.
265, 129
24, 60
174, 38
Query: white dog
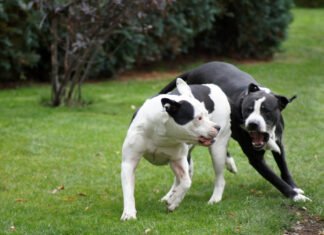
166, 128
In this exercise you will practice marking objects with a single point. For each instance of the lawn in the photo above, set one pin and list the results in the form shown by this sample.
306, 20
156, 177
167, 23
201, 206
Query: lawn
42, 149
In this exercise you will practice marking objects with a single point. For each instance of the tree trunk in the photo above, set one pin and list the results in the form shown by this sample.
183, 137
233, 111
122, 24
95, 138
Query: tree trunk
56, 99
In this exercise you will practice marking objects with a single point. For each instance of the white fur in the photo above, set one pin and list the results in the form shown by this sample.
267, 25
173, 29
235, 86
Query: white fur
256, 116
155, 135
265, 89
272, 144
300, 197
183, 88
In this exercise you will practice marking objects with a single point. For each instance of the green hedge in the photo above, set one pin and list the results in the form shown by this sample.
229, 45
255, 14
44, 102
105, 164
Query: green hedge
241, 28
309, 3
247, 28
19, 39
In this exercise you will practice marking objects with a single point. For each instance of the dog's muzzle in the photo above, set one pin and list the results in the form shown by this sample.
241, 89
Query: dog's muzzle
211, 137
259, 139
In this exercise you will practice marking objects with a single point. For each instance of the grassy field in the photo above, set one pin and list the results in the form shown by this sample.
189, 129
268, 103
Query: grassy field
42, 149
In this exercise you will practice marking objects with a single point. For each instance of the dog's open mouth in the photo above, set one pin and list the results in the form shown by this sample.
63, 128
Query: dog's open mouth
205, 141
259, 139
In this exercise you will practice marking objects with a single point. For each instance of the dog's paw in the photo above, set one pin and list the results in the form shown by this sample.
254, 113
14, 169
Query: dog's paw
301, 198
171, 207
299, 191
173, 201
165, 198
214, 199
128, 215
230, 165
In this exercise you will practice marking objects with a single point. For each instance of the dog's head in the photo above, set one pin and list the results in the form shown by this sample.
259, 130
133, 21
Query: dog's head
189, 121
261, 112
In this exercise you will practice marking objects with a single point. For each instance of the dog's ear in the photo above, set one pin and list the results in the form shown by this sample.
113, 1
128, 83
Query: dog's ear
253, 88
283, 101
171, 106
183, 88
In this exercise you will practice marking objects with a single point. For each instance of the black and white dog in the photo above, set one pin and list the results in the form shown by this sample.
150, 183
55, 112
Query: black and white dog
256, 120
164, 131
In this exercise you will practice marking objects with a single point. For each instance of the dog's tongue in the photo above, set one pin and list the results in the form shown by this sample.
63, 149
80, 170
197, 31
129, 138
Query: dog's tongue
205, 142
257, 138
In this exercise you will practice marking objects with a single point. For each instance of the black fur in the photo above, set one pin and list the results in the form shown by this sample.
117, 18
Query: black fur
201, 93
239, 88
182, 112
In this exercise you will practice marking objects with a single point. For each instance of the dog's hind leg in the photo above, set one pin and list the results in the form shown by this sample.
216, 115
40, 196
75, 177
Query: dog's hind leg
230, 164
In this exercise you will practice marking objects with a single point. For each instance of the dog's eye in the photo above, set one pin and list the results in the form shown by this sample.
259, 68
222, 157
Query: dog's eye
199, 118
264, 109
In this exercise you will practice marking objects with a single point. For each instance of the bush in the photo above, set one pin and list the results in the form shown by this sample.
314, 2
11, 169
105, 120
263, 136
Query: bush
243, 28
18, 39
247, 28
309, 3
162, 36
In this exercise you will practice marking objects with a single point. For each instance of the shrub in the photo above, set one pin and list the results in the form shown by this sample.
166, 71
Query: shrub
243, 28
247, 28
309, 3
18, 39
163, 36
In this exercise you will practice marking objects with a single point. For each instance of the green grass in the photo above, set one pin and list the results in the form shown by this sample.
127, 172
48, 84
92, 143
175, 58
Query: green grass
42, 148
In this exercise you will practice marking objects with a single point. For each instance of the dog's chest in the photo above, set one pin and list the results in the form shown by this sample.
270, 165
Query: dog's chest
157, 157
163, 155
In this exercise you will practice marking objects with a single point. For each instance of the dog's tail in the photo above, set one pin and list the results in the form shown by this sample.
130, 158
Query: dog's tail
172, 85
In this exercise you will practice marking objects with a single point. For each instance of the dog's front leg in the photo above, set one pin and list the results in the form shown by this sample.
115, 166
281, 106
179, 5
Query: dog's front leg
260, 165
285, 174
181, 171
128, 167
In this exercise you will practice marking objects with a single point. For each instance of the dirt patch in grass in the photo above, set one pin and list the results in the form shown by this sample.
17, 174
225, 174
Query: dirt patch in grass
307, 224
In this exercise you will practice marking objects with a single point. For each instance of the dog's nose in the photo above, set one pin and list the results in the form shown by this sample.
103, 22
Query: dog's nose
253, 126
217, 127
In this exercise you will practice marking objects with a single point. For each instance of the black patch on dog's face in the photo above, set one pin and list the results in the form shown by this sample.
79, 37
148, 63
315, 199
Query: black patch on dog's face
201, 93
182, 112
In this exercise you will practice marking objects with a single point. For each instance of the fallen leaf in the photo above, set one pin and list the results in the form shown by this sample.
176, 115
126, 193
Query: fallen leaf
304, 208
87, 208
259, 192
239, 227
82, 194
319, 218
147, 230
58, 189
156, 191
12, 228
55, 191
99, 154
252, 191
117, 152
106, 213
231, 214
70, 199
20, 200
